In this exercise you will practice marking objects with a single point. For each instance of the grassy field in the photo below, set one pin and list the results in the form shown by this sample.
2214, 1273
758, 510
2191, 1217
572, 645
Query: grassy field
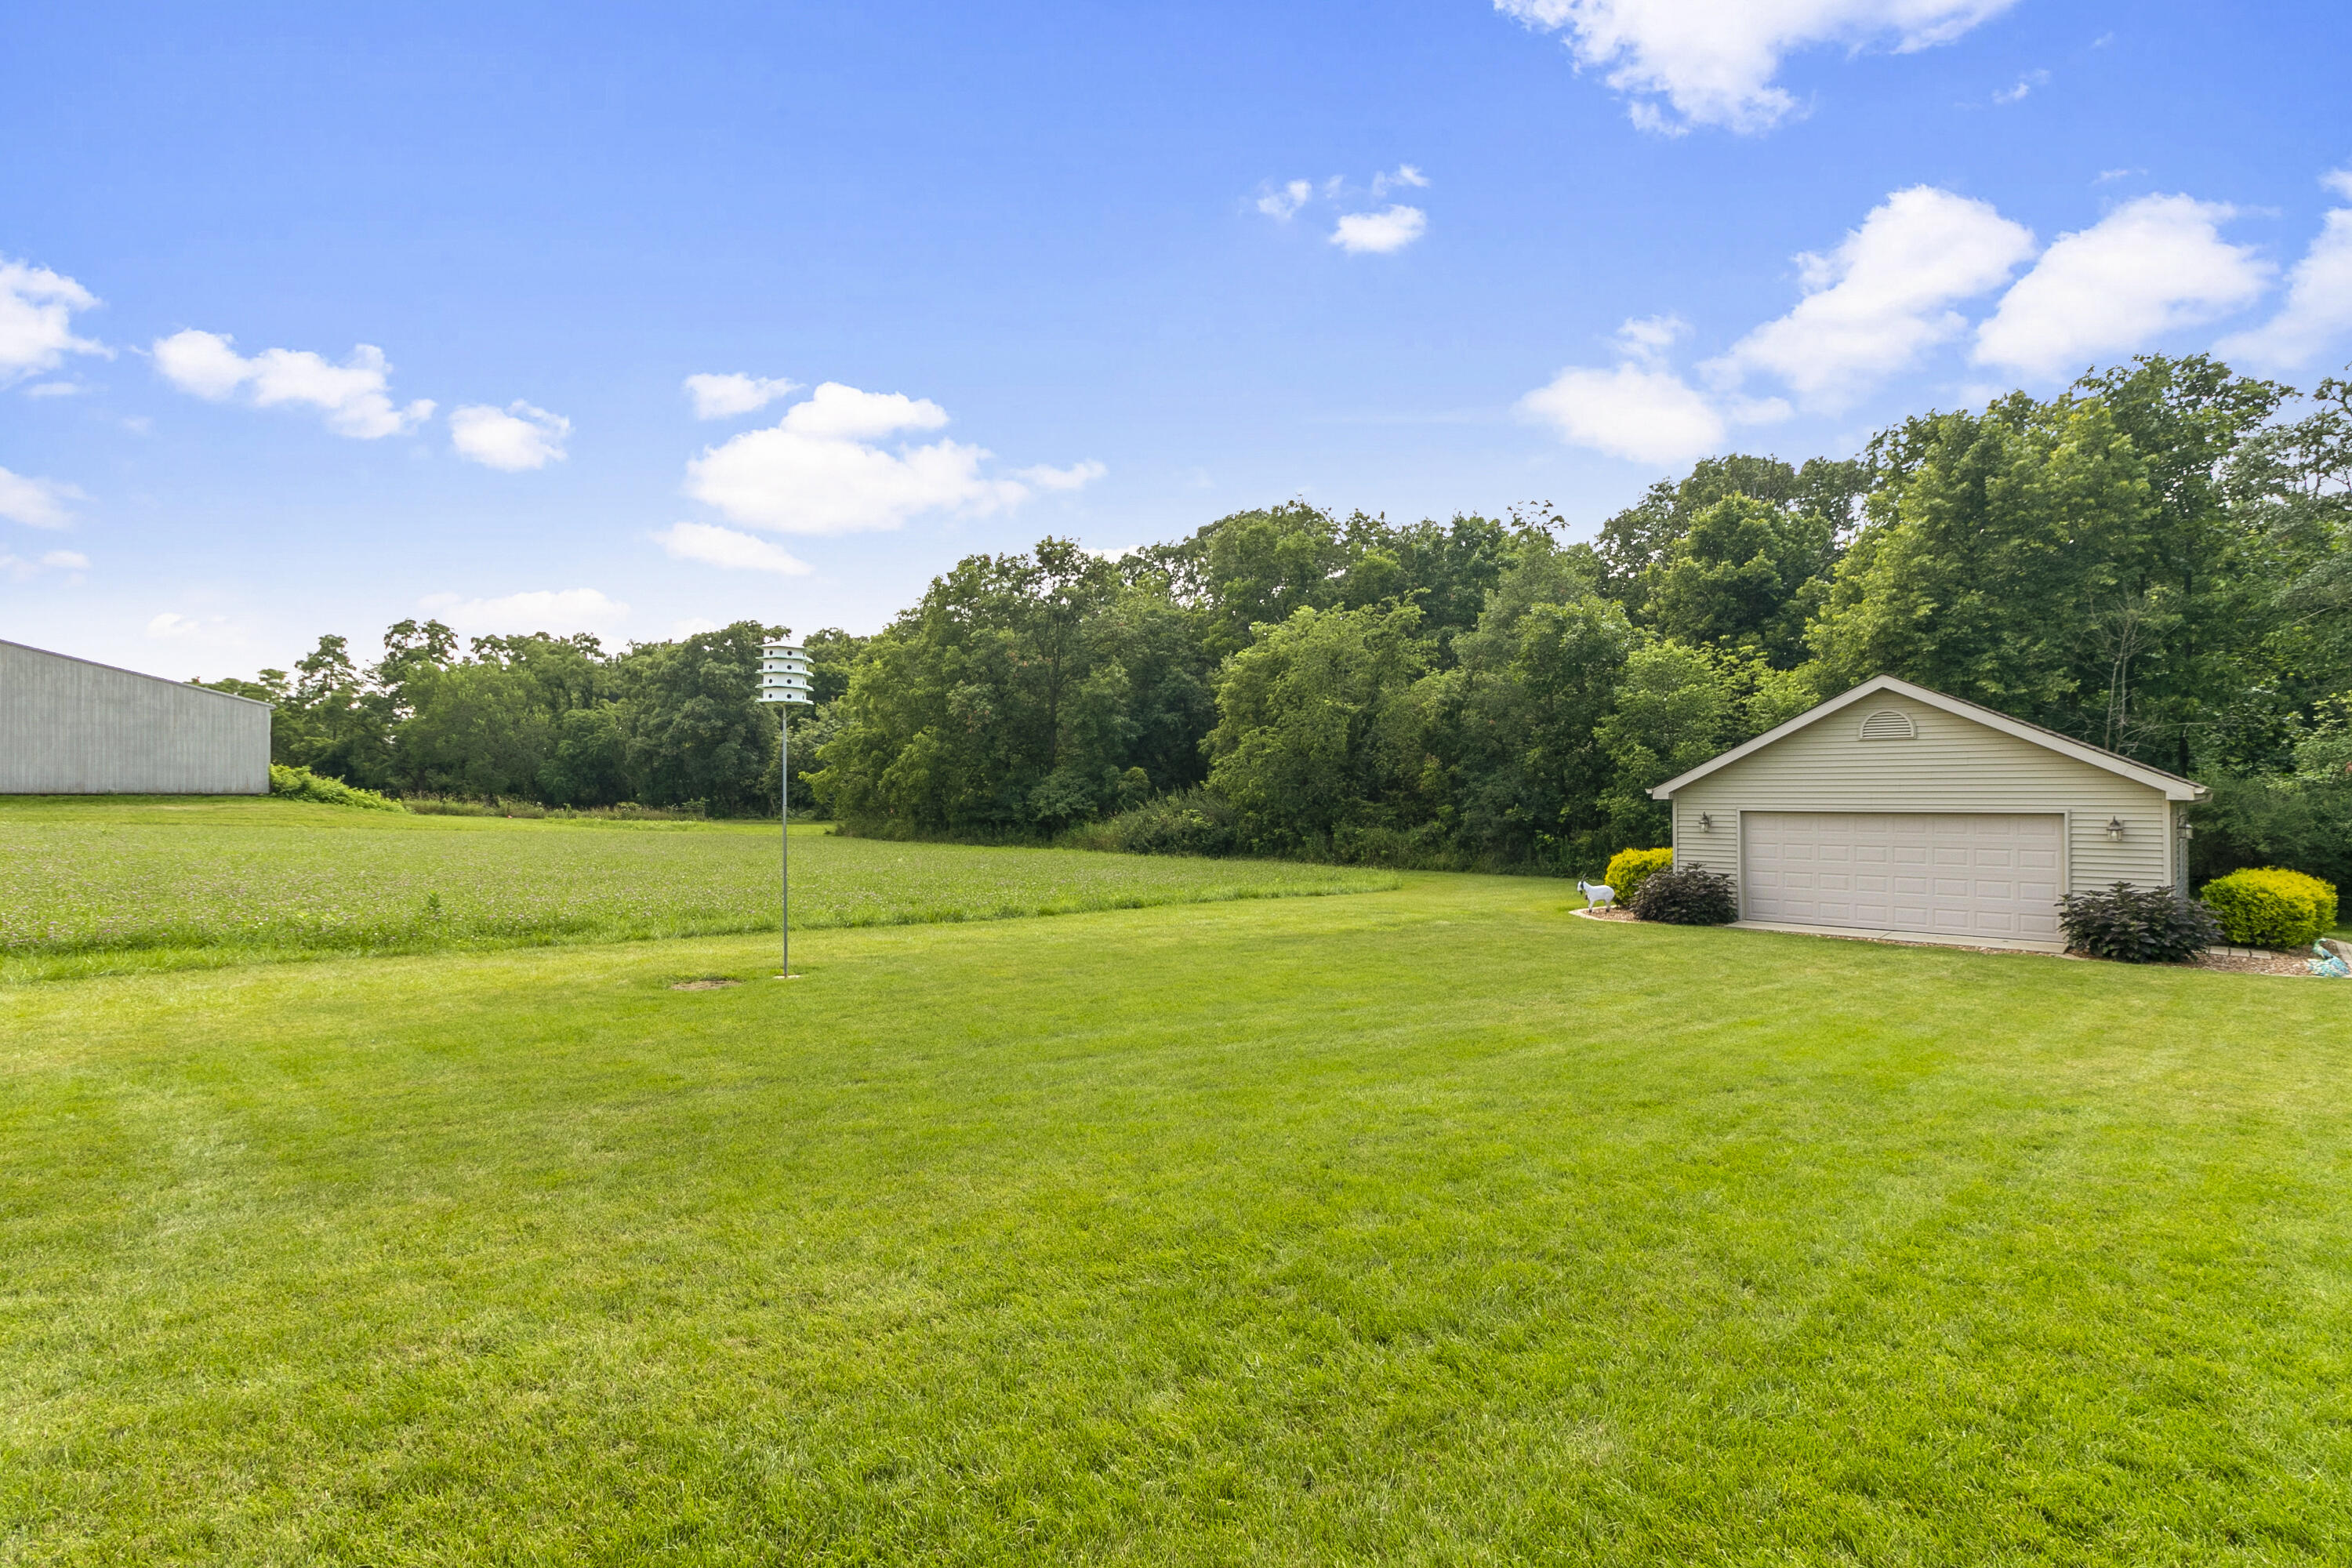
103, 884
1431, 1225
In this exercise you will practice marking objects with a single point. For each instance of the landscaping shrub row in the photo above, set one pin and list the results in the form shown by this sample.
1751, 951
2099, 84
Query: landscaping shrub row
2270, 906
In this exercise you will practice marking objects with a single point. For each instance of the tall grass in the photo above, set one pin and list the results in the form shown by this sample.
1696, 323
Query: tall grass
533, 811
280, 878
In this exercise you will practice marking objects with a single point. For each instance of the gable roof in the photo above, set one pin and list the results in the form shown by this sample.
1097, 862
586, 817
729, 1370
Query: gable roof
2172, 785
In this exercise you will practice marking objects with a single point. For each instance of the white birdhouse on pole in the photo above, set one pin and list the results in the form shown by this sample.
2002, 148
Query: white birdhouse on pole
785, 680
784, 673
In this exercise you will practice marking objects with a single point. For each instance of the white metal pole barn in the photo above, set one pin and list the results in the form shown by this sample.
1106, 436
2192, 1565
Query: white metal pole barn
785, 680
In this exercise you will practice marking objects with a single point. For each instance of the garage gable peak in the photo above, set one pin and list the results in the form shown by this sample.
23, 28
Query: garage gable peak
2171, 786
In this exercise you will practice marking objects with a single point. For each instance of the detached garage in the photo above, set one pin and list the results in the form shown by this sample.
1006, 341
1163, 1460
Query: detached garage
1897, 811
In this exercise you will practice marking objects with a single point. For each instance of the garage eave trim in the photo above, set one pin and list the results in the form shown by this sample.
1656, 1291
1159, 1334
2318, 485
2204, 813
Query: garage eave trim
2172, 785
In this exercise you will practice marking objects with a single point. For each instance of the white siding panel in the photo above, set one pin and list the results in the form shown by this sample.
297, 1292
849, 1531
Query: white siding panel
71, 727
1953, 767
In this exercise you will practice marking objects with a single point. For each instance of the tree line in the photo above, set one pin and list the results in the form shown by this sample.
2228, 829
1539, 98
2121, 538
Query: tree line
555, 719
2158, 561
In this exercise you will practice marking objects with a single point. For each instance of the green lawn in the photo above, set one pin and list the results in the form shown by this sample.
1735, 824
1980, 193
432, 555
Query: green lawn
107, 884
1428, 1225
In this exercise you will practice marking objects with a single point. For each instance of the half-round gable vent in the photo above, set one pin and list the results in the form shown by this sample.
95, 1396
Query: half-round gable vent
1888, 724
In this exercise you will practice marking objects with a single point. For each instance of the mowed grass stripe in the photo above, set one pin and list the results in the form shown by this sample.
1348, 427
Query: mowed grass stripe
1433, 1226
94, 886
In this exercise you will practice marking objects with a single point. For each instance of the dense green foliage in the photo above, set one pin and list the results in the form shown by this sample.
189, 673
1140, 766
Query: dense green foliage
1629, 869
2268, 907
1189, 822
2136, 925
2159, 562
1432, 1227
302, 783
1687, 896
97, 883
541, 718
2299, 815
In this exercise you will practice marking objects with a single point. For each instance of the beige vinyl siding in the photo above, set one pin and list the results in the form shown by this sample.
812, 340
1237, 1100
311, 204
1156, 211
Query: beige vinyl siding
1953, 764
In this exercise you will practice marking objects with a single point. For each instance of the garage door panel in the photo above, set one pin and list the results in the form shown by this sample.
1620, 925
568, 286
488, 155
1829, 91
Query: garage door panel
1993, 876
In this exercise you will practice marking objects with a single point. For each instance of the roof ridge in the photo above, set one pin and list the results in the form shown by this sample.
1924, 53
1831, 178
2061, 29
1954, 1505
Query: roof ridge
2173, 785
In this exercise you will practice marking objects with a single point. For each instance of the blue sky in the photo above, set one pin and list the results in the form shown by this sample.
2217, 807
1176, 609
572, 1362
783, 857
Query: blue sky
1107, 272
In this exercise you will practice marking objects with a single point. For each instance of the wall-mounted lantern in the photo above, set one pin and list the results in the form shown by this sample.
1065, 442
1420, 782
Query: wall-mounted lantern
1706, 822
2116, 829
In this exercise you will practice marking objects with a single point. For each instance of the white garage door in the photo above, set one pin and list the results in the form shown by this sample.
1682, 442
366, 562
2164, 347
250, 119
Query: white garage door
1952, 876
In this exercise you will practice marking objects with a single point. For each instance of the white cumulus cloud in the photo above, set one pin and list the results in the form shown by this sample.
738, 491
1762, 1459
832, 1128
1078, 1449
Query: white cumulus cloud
1391, 229
838, 413
65, 560
1884, 296
559, 610
514, 438
356, 395
1380, 232
36, 309
823, 470
722, 396
1285, 200
1641, 410
716, 546
1647, 338
1712, 62
2318, 309
2148, 268
2024, 87
37, 503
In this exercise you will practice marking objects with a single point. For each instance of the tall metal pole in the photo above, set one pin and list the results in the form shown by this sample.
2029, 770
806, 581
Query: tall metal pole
784, 834
784, 682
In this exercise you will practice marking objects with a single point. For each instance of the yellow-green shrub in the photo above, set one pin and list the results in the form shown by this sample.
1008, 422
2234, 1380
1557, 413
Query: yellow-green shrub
1629, 869
302, 783
2272, 907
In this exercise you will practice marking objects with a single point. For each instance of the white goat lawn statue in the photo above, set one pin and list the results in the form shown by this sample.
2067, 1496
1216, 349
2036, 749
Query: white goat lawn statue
1597, 895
